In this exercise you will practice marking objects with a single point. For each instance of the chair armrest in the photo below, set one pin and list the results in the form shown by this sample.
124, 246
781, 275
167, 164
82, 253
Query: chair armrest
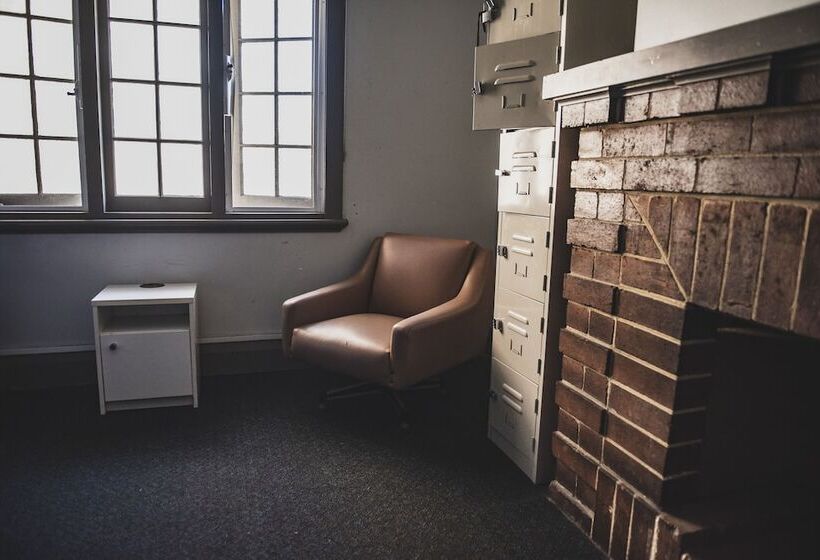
448, 334
347, 297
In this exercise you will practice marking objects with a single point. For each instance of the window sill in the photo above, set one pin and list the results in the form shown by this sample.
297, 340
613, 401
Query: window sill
119, 225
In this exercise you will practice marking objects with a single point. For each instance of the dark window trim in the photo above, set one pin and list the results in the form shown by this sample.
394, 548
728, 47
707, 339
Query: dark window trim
95, 219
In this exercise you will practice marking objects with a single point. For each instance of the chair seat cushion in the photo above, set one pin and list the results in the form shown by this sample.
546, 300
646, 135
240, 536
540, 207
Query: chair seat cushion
358, 345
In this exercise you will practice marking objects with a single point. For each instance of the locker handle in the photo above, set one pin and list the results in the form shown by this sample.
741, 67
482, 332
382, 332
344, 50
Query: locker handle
520, 251
501, 173
523, 238
523, 78
513, 65
515, 328
524, 155
523, 168
513, 405
518, 317
512, 392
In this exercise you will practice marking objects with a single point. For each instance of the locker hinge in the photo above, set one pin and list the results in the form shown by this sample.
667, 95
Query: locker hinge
544, 286
538, 369
542, 325
561, 8
558, 54
549, 199
553, 149
536, 406
533, 445
498, 325
502, 251
548, 239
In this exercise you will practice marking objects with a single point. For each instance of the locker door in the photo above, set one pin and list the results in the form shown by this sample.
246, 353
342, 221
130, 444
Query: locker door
512, 406
517, 336
519, 19
507, 88
522, 254
525, 171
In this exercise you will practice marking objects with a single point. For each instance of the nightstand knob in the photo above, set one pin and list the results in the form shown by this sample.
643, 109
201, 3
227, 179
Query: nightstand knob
112, 346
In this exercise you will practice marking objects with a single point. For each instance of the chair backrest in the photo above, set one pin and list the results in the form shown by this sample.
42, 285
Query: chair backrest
414, 273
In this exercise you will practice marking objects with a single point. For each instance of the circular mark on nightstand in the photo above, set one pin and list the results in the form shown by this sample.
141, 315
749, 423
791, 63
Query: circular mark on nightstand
152, 285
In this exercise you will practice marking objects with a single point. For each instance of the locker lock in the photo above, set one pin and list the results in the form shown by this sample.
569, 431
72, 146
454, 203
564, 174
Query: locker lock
502, 251
112, 346
478, 88
498, 325
502, 173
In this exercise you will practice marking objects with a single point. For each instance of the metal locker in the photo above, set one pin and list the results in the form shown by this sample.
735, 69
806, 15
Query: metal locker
525, 171
519, 19
518, 323
513, 407
522, 254
507, 83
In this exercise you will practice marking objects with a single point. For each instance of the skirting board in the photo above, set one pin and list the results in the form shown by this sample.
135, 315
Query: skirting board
46, 370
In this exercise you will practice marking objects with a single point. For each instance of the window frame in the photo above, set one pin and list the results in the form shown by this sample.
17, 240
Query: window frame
95, 217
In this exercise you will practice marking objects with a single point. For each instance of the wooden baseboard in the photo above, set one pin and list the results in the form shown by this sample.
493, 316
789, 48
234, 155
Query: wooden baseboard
65, 369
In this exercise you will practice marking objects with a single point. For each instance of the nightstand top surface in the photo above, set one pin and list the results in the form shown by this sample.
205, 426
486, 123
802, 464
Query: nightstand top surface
124, 294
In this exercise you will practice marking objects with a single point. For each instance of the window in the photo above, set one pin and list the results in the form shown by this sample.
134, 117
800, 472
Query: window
39, 148
171, 114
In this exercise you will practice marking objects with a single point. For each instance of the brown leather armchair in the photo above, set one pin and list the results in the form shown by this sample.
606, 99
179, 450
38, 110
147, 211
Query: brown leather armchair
417, 307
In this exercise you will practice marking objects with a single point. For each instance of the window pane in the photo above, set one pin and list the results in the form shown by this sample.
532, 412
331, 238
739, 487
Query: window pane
180, 111
256, 18
257, 119
52, 8
131, 9
13, 45
60, 167
295, 18
53, 49
16, 115
179, 54
295, 172
135, 168
56, 110
295, 119
182, 170
257, 67
178, 11
258, 171
17, 161
17, 6
295, 66
134, 110
132, 51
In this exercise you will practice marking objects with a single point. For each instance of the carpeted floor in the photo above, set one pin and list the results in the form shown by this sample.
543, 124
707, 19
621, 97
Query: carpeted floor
259, 472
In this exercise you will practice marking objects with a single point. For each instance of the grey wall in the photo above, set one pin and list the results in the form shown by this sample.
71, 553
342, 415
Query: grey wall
413, 165
663, 21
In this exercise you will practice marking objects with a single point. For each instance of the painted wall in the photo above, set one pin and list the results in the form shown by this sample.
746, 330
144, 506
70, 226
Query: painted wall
663, 21
413, 165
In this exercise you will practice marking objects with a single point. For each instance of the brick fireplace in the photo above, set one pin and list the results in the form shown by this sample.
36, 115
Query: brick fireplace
693, 313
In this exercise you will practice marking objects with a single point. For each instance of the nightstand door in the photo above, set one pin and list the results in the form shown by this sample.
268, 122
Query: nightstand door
146, 365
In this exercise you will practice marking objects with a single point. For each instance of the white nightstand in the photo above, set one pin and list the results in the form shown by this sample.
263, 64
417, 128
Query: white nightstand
146, 346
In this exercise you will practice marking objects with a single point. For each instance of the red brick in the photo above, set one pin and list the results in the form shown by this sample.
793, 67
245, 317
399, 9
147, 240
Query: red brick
698, 97
589, 292
572, 116
585, 494
622, 515
644, 380
572, 371
710, 259
683, 235
582, 466
590, 143
651, 276
597, 174
596, 111
653, 313
642, 531
604, 500
661, 174
568, 426
646, 140
636, 107
746, 90
601, 327
585, 351
660, 219
578, 405
781, 261
630, 211
594, 234
569, 506
638, 241
665, 460
586, 204
807, 316
710, 136
662, 492
786, 131
565, 476
581, 262
668, 545
607, 267
748, 176
577, 316
664, 103
611, 206
595, 385
591, 441
805, 83
808, 178
648, 347
676, 428
745, 248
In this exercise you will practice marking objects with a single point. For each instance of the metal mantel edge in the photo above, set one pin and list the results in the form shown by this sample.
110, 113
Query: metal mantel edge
781, 32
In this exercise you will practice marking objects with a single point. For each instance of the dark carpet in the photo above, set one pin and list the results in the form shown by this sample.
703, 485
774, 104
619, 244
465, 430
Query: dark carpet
259, 472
